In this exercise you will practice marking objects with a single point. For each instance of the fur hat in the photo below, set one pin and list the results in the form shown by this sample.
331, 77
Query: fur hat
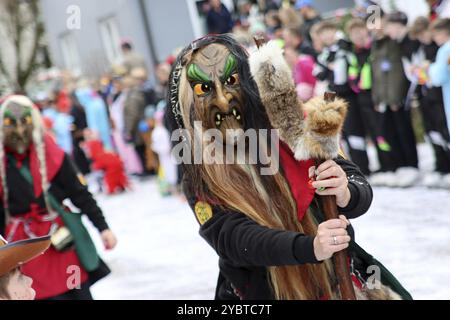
314, 137
16, 253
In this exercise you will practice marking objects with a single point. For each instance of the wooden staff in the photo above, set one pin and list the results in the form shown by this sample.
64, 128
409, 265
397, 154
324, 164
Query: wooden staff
340, 259
274, 80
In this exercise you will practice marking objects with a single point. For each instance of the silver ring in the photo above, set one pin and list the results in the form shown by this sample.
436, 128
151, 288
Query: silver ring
335, 241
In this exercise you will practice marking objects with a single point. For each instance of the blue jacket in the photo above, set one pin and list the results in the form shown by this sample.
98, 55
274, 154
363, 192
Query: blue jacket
96, 115
440, 76
61, 127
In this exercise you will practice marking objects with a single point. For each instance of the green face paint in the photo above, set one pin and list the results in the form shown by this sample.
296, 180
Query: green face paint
26, 113
230, 67
196, 74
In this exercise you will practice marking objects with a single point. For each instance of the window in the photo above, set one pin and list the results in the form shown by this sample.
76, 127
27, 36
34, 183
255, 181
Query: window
70, 53
109, 30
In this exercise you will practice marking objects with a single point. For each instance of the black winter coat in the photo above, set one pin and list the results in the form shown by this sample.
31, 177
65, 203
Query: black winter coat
246, 249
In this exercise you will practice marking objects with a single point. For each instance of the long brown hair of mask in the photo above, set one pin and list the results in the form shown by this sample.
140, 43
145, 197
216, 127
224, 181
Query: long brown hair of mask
267, 200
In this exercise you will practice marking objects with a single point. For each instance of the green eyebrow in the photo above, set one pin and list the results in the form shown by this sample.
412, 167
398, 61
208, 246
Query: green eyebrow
230, 66
8, 114
195, 73
26, 113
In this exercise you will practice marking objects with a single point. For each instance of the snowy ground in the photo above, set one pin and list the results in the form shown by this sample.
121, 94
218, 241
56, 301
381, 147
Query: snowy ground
161, 256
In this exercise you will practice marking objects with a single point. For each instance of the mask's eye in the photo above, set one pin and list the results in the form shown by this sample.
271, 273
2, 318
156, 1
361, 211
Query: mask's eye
7, 122
232, 80
202, 88
27, 120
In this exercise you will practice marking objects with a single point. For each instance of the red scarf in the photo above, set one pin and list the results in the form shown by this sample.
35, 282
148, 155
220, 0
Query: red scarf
296, 173
54, 157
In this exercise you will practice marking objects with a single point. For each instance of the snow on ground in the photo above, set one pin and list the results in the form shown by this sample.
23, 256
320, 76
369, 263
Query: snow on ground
161, 256
409, 232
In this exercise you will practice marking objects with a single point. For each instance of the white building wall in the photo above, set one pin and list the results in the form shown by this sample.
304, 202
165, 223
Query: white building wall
88, 36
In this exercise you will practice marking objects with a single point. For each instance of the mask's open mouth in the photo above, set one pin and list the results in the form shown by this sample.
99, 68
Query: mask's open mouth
17, 142
230, 123
233, 116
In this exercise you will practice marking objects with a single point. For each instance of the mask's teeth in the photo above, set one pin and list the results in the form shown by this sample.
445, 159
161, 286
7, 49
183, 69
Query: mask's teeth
236, 114
218, 119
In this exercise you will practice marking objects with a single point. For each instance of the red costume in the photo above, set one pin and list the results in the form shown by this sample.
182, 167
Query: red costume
111, 164
48, 271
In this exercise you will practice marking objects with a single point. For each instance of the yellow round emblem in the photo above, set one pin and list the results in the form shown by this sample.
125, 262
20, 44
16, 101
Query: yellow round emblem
82, 179
342, 154
203, 211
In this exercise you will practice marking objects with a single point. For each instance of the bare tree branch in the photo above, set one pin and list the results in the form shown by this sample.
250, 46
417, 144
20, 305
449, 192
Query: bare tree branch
39, 32
5, 73
21, 23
